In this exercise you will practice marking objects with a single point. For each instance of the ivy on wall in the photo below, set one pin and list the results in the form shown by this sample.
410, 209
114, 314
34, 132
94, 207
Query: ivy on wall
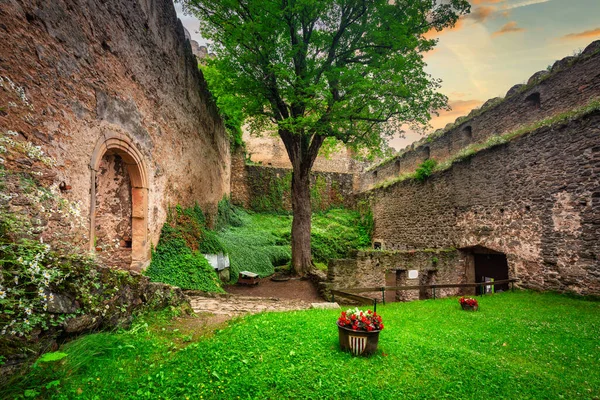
178, 258
270, 190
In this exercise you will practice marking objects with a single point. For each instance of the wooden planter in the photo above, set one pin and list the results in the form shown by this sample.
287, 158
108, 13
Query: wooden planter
467, 307
358, 343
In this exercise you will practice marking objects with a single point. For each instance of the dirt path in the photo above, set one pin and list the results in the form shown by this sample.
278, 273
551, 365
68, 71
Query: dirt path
230, 306
294, 289
295, 294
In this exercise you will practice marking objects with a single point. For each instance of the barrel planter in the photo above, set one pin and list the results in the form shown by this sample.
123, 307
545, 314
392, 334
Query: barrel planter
359, 343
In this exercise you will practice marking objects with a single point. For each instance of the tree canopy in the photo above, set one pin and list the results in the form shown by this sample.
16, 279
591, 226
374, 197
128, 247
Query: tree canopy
352, 70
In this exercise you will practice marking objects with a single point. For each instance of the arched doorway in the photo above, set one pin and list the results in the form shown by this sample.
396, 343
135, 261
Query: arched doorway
119, 203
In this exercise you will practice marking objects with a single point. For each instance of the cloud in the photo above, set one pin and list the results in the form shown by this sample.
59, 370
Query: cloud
509, 27
432, 33
480, 14
477, 2
583, 35
523, 4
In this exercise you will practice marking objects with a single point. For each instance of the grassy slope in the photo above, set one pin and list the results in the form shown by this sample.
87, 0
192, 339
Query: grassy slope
263, 240
519, 345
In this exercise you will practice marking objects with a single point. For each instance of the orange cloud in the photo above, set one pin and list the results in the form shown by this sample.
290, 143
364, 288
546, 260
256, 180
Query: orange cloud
480, 14
509, 27
432, 33
459, 108
477, 2
583, 35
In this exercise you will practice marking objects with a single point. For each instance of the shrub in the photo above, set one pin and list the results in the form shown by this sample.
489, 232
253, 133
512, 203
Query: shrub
425, 169
173, 262
178, 259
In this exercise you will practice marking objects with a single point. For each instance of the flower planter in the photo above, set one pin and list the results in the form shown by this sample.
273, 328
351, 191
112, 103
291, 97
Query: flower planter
359, 343
467, 307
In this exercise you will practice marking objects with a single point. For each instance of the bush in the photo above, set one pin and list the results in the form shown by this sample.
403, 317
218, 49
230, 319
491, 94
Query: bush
173, 262
425, 169
178, 258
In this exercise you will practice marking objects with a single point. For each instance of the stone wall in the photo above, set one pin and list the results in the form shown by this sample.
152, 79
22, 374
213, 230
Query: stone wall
264, 188
535, 199
83, 79
571, 82
391, 268
270, 151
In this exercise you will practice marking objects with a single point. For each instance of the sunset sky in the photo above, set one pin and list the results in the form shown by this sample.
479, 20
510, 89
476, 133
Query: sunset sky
501, 43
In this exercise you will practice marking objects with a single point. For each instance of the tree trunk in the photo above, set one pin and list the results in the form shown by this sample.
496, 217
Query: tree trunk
301, 223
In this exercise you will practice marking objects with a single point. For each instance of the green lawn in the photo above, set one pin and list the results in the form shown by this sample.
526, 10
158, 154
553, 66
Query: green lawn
519, 345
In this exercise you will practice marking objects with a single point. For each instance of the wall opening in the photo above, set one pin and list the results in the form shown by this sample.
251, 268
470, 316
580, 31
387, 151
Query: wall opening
426, 277
490, 266
533, 100
468, 132
426, 152
113, 229
119, 204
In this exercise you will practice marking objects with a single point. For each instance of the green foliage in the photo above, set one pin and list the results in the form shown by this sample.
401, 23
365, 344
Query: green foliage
230, 106
262, 242
259, 245
173, 262
51, 357
178, 260
274, 190
521, 345
227, 214
336, 232
425, 169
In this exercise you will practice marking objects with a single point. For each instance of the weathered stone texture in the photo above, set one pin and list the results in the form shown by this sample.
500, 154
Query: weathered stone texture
76, 73
268, 188
536, 199
270, 151
113, 235
573, 82
374, 269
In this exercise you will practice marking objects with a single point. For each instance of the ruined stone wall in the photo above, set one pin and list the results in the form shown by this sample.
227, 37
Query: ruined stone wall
270, 151
391, 268
80, 78
535, 199
571, 82
113, 235
264, 188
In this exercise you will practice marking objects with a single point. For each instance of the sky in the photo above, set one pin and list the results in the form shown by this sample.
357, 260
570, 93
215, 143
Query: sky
499, 44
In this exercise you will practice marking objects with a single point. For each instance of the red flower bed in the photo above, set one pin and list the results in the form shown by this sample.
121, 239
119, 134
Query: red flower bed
468, 301
359, 320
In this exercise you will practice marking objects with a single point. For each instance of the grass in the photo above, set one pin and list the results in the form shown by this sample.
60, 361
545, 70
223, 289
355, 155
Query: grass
261, 242
522, 345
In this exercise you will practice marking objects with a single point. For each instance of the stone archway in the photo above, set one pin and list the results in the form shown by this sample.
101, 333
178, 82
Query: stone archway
121, 149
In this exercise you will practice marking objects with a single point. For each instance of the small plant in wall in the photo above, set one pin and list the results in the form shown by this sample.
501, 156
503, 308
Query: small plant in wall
425, 169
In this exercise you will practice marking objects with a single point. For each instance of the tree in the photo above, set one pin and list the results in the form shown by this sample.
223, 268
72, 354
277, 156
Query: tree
347, 69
